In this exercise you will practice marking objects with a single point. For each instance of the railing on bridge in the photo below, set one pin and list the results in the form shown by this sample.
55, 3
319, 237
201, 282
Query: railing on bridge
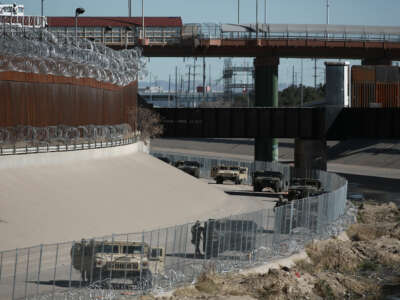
12, 22
125, 37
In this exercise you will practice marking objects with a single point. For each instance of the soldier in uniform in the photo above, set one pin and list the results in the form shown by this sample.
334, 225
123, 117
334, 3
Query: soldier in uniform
197, 232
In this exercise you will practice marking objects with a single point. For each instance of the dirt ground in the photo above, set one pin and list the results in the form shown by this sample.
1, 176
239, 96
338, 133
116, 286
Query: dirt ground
366, 265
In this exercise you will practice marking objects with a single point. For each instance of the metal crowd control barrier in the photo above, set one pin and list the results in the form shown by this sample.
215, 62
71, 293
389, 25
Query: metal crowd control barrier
227, 244
66, 147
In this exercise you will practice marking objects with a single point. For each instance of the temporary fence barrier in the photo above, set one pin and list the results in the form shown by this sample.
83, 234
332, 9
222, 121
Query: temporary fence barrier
166, 258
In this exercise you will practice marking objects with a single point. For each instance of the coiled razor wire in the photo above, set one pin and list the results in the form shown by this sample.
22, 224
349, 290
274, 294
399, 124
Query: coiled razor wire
61, 133
39, 51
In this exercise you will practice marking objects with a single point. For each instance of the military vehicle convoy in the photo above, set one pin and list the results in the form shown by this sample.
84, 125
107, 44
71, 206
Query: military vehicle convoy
100, 261
190, 167
268, 179
228, 235
235, 174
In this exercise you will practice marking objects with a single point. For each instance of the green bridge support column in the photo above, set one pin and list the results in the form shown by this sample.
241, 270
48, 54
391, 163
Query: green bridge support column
266, 90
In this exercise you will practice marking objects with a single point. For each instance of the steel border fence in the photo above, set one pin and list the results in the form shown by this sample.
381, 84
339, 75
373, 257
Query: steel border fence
230, 243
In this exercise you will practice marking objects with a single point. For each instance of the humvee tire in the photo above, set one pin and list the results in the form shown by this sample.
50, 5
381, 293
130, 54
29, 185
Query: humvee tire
237, 181
219, 180
277, 188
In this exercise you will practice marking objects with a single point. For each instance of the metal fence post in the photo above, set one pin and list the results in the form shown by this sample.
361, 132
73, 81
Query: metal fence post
141, 261
1, 264
291, 216
70, 267
15, 274
112, 258
55, 271
38, 274
27, 272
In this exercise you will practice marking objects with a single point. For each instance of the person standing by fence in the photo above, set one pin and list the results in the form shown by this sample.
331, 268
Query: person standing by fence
197, 234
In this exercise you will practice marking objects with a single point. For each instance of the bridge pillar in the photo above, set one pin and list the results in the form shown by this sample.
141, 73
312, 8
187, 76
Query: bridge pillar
266, 95
376, 61
310, 154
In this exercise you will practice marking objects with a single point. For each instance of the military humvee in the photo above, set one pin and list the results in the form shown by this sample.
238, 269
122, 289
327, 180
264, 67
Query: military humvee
306, 181
271, 179
135, 261
296, 192
304, 187
235, 174
190, 167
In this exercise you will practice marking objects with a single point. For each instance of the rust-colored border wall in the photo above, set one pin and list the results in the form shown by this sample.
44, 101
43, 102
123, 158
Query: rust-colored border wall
45, 100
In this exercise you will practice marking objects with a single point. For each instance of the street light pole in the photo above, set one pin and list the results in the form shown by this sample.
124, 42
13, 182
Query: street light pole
78, 12
143, 29
327, 12
256, 18
130, 8
265, 11
42, 9
238, 11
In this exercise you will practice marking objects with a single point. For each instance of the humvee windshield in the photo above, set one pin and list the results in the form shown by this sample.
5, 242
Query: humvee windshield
234, 168
107, 249
223, 168
268, 174
192, 164
132, 249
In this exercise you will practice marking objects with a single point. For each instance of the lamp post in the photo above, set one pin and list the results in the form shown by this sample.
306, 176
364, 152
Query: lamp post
78, 12
143, 29
130, 8
238, 11
256, 18
42, 9
327, 12
265, 11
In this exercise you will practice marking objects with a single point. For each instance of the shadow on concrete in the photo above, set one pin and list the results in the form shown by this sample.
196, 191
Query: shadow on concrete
63, 283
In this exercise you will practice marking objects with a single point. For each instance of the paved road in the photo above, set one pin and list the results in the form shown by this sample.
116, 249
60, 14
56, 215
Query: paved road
371, 167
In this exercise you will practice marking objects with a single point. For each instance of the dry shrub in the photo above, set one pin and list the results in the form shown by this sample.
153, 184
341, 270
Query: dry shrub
146, 121
368, 232
340, 286
305, 266
206, 283
333, 255
385, 213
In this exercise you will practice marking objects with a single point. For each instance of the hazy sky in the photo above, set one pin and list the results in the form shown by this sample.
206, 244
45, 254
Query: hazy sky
351, 12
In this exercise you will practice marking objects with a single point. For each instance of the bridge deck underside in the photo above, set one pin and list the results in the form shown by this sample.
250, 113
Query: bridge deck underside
282, 48
307, 123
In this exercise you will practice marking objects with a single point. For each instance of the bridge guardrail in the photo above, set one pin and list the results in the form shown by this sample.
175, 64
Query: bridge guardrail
229, 243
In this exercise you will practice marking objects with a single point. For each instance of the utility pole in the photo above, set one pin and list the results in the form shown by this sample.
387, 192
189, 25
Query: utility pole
151, 93
265, 11
176, 86
327, 12
315, 73
169, 91
238, 11
293, 75
189, 82
204, 78
42, 9
209, 80
143, 29
256, 18
301, 89
130, 8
